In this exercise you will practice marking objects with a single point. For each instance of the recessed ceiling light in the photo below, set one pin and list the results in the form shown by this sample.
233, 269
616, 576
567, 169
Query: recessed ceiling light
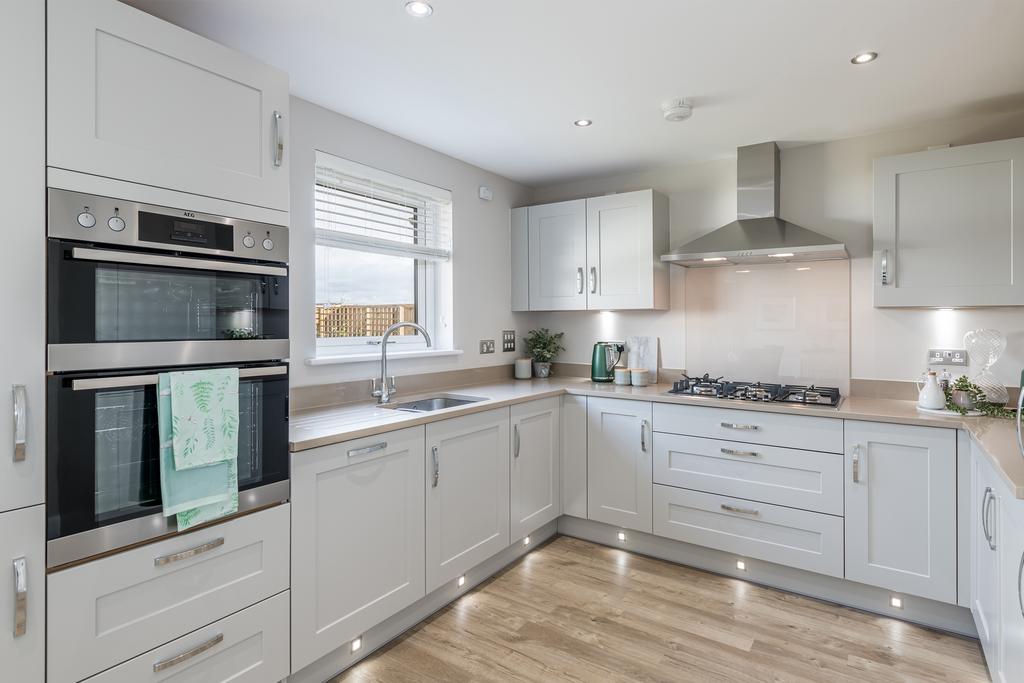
582, 123
419, 8
864, 58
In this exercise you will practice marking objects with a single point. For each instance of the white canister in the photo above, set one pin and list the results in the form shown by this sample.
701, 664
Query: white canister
524, 368
622, 376
639, 377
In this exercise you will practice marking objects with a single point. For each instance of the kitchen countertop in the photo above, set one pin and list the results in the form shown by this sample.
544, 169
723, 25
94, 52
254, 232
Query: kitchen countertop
318, 427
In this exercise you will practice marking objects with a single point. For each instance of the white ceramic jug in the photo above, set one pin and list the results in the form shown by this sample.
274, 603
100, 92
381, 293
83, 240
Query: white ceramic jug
932, 396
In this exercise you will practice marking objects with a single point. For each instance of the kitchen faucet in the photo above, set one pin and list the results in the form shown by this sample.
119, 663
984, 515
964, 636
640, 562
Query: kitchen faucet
387, 384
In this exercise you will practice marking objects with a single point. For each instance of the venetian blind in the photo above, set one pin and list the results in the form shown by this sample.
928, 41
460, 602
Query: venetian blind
358, 207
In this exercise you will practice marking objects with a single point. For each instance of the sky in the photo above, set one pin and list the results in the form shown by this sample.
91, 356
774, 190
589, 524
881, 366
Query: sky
354, 277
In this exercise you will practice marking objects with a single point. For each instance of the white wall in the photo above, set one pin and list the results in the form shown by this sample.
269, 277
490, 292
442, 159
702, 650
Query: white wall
482, 280
826, 187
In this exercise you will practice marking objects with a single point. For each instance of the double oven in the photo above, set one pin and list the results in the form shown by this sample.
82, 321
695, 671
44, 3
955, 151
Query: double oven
134, 290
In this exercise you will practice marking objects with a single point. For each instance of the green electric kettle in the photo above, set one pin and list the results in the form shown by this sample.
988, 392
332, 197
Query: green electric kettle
606, 356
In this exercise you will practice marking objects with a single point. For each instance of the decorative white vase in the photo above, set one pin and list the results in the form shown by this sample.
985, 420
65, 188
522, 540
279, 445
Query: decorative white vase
931, 397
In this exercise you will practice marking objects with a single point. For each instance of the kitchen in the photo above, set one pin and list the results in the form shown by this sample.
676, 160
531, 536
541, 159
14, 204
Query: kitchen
371, 218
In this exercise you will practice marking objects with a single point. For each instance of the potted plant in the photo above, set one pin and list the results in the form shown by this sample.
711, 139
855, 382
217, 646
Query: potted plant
542, 346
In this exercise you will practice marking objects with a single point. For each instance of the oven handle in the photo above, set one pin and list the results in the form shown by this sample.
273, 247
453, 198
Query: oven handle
143, 380
135, 258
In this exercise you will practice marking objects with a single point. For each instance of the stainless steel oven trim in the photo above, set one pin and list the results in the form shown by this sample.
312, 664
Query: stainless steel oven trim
123, 355
106, 539
136, 258
145, 380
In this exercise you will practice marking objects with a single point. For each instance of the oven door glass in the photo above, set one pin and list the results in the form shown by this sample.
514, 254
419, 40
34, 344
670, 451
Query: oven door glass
103, 449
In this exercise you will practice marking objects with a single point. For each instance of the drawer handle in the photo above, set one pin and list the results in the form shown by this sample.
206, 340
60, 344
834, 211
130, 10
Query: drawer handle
20, 427
734, 425
742, 511
20, 597
191, 552
199, 649
356, 452
733, 451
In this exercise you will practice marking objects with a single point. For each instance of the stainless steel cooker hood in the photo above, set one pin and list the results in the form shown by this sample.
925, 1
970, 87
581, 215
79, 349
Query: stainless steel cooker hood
757, 235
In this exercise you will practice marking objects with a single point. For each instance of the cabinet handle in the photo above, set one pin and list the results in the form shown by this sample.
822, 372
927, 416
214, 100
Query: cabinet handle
515, 434
733, 451
643, 435
1020, 418
186, 554
986, 501
733, 425
20, 597
885, 267
1020, 575
165, 664
20, 400
356, 452
742, 511
437, 466
593, 280
579, 280
856, 464
278, 139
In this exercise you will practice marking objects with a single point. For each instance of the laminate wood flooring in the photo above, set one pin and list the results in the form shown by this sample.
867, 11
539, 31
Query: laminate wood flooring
576, 611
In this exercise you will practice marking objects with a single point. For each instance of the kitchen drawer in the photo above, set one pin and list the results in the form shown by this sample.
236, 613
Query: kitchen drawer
809, 480
751, 426
109, 610
795, 538
250, 646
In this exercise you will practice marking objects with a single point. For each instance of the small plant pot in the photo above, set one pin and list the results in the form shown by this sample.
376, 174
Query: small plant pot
541, 369
963, 399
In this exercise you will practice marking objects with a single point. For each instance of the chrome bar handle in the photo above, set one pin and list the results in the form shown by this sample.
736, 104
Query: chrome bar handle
165, 664
856, 464
186, 554
579, 280
20, 597
742, 511
1020, 417
366, 450
122, 381
437, 466
1020, 576
992, 529
885, 267
145, 259
515, 440
733, 451
984, 515
20, 399
593, 279
278, 139
734, 425
643, 435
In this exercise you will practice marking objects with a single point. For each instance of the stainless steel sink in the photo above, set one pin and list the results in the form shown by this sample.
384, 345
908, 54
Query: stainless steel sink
426, 405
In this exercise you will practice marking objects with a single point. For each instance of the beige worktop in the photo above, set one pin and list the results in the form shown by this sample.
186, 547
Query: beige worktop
317, 427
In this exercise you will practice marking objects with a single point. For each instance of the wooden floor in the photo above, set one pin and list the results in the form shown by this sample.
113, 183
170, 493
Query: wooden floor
576, 611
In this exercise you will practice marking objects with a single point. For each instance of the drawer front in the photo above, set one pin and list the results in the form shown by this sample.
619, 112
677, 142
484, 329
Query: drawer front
110, 610
809, 480
751, 426
795, 538
250, 646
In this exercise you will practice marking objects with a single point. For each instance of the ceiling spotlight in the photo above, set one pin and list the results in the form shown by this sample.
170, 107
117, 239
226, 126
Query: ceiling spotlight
582, 123
676, 109
864, 58
419, 8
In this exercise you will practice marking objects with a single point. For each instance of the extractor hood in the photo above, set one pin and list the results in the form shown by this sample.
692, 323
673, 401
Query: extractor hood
757, 235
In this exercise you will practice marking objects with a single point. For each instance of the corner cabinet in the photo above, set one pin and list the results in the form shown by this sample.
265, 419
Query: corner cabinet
619, 463
135, 98
535, 467
602, 253
949, 227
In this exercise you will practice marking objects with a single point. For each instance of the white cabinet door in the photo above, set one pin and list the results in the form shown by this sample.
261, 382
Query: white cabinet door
986, 501
135, 98
22, 188
22, 595
519, 228
467, 493
949, 227
624, 268
558, 256
534, 466
1011, 551
619, 464
357, 538
901, 508
574, 456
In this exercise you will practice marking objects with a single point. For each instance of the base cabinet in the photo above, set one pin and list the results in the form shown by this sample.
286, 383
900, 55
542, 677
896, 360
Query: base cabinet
357, 538
987, 499
619, 463
22, 594
901, 508
534, 467
1011, 593
574, 456
467, 493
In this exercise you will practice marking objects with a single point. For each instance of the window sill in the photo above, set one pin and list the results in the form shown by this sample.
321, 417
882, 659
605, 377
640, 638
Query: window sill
375, 356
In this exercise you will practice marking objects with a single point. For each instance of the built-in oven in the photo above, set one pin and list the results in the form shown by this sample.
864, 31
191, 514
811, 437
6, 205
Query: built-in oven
133, 285
103, 470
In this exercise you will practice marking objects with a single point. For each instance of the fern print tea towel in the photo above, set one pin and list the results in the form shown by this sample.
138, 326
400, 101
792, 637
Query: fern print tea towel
204, 416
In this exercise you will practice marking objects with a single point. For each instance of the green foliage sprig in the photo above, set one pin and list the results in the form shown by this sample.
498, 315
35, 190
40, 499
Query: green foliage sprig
542, 345
981, 404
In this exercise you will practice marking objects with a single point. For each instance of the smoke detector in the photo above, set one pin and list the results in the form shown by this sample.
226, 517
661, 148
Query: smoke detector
676, 109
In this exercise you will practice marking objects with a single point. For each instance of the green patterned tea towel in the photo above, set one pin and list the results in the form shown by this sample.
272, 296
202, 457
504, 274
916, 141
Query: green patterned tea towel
206, 513
204, 416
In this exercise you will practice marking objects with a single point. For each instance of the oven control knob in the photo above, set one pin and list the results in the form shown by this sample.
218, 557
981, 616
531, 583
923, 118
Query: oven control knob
268, 244
86, 219
248, 241
115, 223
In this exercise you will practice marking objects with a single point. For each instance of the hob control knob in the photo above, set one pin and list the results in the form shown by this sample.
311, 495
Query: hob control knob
268, 244
86, 219
248, 242
115, 223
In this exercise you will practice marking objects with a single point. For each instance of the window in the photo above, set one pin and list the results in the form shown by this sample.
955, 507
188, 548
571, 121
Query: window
383, 255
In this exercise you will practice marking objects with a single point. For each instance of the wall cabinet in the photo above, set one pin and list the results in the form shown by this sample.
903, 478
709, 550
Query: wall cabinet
619, 465
901, 508
535, 486
949, 227
22, 594
591, 254
357, 538
135, 98
467, 493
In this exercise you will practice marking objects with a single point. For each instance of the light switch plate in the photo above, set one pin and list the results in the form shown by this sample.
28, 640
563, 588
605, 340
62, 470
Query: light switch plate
486, 346
508, 340
951, 357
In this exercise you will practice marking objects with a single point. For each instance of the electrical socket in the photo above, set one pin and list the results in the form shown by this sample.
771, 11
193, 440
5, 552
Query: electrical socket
508, 340
951, 357
486, 346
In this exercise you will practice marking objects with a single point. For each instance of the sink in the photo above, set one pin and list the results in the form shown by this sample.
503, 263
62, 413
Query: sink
426, 405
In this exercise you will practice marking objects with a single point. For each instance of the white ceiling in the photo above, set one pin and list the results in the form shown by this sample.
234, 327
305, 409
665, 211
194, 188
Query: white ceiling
498, 83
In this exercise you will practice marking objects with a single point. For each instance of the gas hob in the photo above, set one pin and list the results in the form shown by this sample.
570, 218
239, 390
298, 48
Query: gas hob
765, 392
